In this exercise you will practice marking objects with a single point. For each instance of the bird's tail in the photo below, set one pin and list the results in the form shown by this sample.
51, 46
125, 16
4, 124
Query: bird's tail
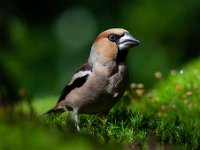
54, 110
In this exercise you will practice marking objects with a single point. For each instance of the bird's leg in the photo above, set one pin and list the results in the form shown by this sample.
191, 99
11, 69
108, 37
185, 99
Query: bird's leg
75, 118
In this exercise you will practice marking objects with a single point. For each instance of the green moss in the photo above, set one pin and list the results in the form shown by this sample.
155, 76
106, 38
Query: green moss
167, 116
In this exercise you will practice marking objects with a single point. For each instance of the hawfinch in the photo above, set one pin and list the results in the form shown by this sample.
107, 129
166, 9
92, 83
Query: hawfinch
102, 80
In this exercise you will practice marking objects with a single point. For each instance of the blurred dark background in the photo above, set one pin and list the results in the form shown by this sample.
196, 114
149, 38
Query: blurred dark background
42, 43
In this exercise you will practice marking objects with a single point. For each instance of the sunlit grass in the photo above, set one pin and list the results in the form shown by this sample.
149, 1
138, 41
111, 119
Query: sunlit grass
43, 104
39, 104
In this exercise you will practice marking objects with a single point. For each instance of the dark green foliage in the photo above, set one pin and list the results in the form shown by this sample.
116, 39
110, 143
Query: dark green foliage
42, 43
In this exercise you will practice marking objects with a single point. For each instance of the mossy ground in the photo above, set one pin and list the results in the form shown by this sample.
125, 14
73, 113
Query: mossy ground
166, 116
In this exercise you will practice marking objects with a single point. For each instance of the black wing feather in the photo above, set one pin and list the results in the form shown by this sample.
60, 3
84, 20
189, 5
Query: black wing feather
76, 83
68, 88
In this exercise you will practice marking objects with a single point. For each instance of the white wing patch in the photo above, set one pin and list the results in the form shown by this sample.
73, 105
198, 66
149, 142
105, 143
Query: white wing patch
79, 74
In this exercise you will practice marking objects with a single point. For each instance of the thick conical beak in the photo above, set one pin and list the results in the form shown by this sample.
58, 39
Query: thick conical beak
127, 41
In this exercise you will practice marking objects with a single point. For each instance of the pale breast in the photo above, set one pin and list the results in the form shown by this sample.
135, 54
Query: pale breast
100, 92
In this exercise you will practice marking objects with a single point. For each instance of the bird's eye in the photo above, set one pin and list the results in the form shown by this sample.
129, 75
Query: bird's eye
112, 37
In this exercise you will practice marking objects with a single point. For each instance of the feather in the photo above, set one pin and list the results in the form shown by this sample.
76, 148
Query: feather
79, 78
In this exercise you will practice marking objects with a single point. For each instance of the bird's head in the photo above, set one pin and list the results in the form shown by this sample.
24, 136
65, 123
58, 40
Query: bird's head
112, 45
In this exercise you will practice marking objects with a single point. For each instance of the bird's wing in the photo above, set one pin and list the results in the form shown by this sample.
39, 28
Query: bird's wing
78, 79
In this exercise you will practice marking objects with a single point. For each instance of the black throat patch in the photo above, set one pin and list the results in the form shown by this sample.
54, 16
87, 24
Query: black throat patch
121, 56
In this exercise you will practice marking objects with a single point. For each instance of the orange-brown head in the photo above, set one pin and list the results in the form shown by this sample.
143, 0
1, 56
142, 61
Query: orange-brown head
110, 43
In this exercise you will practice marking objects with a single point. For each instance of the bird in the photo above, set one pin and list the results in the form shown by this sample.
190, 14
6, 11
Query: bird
99, 83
